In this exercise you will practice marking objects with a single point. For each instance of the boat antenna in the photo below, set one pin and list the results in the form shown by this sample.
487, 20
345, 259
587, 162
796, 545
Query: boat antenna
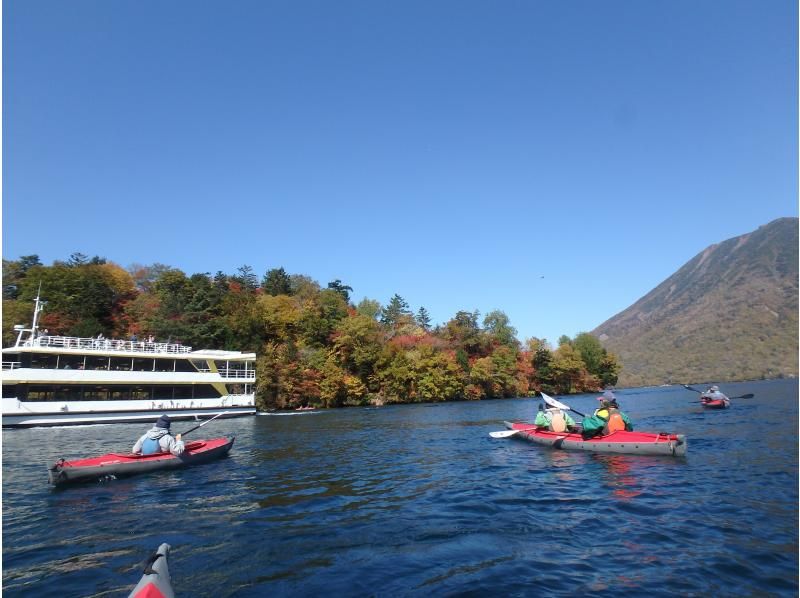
38, 308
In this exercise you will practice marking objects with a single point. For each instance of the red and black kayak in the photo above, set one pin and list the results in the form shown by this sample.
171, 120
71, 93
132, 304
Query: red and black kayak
715, 403
155, 581
635, 443
118, 465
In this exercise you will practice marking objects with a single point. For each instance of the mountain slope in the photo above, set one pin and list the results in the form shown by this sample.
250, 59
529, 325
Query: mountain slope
730, 313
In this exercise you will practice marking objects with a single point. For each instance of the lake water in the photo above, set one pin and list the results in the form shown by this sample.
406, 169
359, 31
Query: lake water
418, 500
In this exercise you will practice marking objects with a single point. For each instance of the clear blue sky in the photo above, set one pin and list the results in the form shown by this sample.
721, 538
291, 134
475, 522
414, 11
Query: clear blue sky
555, 160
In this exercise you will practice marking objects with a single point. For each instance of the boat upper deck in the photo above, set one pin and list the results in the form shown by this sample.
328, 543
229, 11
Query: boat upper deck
71, 344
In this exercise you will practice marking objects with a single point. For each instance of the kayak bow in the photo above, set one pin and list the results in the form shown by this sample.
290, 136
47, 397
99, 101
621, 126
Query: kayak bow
114, 465
155, 581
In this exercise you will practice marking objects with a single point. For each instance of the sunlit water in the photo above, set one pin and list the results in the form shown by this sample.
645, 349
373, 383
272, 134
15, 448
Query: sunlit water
419, 500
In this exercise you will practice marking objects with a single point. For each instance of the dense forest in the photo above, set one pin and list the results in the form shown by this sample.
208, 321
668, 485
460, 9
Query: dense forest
314, 346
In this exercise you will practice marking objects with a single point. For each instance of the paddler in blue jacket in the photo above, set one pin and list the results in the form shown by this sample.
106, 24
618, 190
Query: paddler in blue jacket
158, 440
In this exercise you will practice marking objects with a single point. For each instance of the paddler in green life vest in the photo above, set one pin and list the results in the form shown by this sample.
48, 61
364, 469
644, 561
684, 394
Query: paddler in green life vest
554, 419
607, 418
158, 440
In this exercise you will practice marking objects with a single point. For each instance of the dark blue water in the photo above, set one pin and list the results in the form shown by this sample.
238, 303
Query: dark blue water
419, 500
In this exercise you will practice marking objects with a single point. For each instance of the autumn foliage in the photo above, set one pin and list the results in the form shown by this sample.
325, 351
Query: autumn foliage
314, 346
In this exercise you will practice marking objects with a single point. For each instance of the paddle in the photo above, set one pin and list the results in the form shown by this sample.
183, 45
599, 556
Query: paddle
203, 424
547, 399
507, 433
553, 403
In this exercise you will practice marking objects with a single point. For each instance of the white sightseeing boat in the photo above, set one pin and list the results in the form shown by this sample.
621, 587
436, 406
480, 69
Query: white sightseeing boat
59, 380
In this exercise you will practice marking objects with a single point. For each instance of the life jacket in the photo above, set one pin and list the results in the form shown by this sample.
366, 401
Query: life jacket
151, 446
614, 423
558, 423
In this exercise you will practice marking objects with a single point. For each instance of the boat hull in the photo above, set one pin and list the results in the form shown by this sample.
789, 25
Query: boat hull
115, 465
715, 403
635, 443
155, 580
76, 417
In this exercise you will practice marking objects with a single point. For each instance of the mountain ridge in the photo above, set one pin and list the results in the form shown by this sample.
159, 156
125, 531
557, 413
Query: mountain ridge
729, 313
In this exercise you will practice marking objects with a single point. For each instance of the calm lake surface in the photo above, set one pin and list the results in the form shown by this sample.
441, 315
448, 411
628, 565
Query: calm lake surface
418, 500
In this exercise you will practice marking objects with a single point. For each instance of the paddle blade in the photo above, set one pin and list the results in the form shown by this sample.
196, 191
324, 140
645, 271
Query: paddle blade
503, 434
553, 403
749, 395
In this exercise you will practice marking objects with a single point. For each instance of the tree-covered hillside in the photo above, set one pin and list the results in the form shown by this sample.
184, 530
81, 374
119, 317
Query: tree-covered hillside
314, 345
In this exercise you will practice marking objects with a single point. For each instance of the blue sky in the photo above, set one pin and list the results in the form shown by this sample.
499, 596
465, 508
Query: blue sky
555, 160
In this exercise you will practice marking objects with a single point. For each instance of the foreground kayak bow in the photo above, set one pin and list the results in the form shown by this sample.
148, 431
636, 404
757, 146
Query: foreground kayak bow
115, 465
155, 581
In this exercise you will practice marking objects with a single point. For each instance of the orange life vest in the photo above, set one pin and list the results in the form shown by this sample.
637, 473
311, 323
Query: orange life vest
615, 422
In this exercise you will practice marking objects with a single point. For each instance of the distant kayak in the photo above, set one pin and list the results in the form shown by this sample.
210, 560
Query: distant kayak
155, 581
715, 403
117, 465
636, 443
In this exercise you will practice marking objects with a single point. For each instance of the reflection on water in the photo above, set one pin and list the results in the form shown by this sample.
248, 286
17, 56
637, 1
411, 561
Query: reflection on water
419, 500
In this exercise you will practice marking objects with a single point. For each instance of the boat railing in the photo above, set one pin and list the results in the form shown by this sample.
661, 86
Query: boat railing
105, 344
230, 372
11, 365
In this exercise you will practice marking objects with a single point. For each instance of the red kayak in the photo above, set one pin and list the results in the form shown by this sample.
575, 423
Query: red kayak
155, 581
116, 465
715, 403
636, 443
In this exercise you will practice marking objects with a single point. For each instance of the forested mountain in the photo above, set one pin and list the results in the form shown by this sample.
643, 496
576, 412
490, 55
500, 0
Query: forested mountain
730, 313
313, 345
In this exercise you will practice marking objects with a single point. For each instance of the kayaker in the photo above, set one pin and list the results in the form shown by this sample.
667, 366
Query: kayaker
159, 440
713, 394
607, 418
554, 419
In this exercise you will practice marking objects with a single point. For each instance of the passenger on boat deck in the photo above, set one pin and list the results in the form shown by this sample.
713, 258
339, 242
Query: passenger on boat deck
159, 440
554, 419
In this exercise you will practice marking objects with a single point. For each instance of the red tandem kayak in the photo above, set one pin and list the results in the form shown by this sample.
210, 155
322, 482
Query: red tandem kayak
155, 581
715, 403
117, 465
636, 443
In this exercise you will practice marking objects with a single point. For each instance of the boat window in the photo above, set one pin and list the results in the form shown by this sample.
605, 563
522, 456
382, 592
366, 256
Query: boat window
9, 391
41, 393
119, 393
70, 362
121, 363
182, 392
43, 361
96, 363
98, 393
65, 393
142, 393
162, 393
165, 365
201, 365
141, 364
206, 391
184, 365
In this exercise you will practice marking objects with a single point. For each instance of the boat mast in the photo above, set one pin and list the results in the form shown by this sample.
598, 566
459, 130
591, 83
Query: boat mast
38, 307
